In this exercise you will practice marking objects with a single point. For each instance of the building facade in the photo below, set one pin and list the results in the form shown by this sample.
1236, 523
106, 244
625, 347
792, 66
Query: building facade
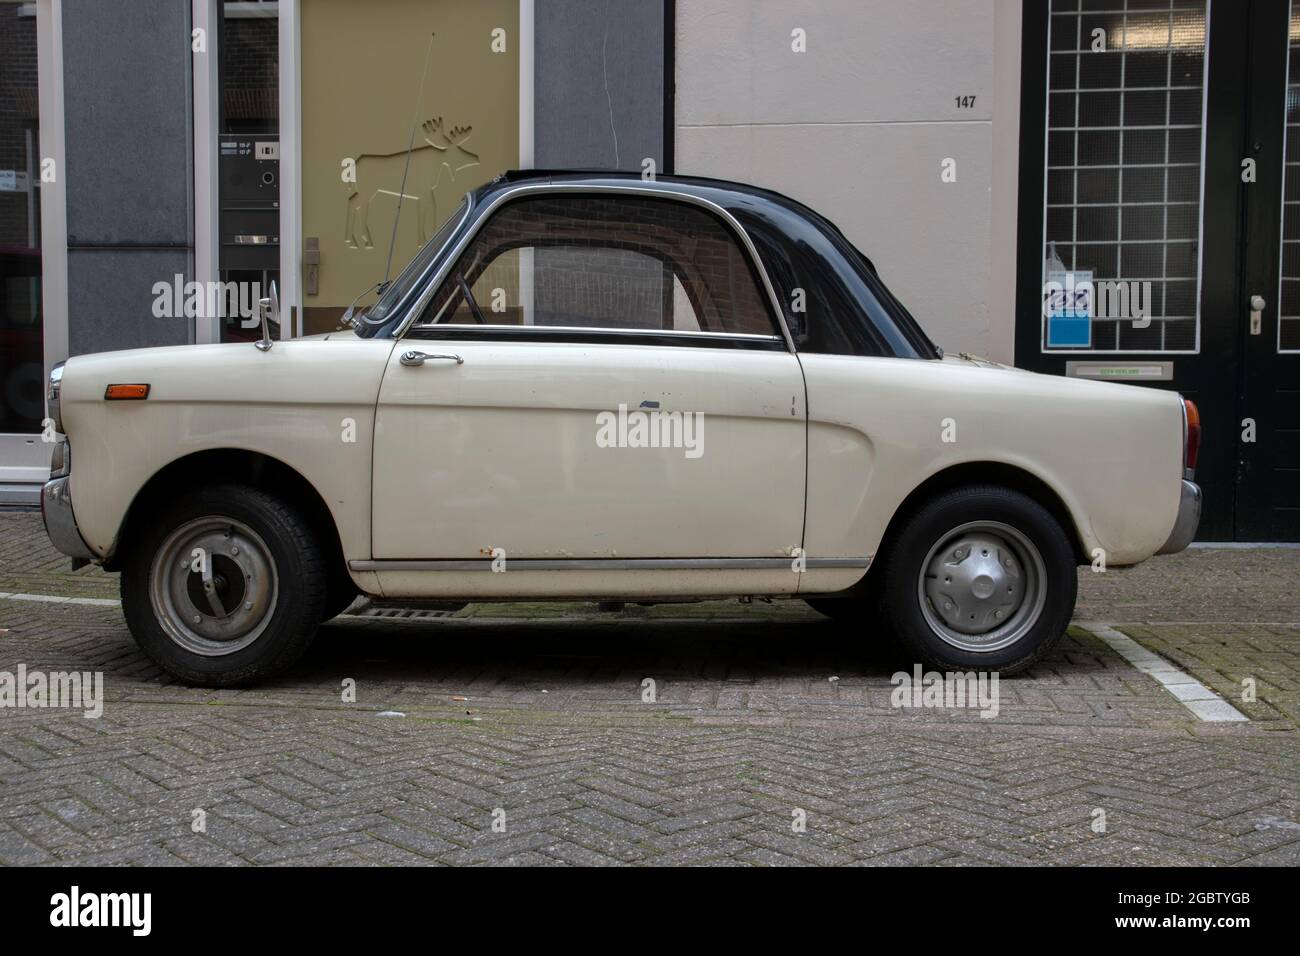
1101, 188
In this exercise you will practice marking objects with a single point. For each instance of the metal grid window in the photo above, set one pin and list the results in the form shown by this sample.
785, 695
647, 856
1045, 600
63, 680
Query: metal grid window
1124, 154
1288, 323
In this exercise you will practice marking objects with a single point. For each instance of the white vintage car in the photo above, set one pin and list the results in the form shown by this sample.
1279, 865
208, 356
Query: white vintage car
596, 387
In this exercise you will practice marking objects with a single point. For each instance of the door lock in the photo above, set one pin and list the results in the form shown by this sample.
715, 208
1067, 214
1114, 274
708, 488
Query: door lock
1257, 304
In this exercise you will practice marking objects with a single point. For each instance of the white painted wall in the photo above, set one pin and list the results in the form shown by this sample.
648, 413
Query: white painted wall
858, 126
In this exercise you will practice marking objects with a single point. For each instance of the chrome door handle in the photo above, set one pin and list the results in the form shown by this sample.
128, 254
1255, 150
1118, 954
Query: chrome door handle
412, 359
1257, 304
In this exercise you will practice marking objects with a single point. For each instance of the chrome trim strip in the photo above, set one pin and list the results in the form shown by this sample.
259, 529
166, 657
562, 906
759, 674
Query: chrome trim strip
605, 564
1185, 524
60, 523
61, 460
463, 326
53, 393
529, 188
364, 319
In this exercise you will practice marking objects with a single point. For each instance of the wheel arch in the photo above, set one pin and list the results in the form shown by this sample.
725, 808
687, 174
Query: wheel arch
998, 473
239, 466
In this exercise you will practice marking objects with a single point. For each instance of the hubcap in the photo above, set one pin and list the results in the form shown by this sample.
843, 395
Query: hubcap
981, 587
213, 586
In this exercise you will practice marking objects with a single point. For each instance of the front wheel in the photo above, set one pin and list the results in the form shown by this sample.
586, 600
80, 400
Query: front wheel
225, 588
982, 577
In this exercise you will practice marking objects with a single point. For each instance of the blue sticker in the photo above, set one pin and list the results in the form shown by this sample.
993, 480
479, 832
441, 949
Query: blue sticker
1068, 307
1069, 330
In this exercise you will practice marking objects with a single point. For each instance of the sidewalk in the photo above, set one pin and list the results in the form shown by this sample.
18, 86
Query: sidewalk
759, 711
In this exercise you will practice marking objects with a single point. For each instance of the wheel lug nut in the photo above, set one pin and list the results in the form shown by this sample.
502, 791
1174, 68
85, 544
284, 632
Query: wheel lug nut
248, 605
197, 618
234, 551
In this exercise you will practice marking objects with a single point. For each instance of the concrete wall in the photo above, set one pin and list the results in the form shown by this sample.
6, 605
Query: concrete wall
858, 127
129, 171
599, 83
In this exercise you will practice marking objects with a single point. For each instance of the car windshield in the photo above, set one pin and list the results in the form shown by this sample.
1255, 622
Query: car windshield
397, 289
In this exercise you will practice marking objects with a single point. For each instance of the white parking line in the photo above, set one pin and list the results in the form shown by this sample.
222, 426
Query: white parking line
1204, 703
58, 599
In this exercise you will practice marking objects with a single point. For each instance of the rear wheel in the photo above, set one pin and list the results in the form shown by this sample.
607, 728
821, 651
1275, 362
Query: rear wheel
982, 577
225, 588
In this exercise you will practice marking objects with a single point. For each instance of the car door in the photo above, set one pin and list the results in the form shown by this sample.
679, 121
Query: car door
599, 376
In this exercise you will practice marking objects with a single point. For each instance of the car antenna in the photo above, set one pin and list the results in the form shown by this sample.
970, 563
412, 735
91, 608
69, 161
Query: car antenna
419, 100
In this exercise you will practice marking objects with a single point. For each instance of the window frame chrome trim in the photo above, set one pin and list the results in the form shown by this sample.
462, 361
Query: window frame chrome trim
414, 292
432, 285
475, 327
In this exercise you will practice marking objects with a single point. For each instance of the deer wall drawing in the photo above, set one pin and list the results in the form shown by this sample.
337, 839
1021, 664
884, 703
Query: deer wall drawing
379, 180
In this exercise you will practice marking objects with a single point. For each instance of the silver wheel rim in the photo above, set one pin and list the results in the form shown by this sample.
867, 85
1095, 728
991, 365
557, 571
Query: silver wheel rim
213, 586
982, 587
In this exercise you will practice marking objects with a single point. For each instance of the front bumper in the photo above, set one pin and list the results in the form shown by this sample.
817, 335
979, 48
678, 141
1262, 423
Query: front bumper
60, 524
1189, 516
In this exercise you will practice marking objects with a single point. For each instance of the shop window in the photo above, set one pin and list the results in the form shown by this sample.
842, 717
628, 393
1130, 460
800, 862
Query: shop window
1122, 234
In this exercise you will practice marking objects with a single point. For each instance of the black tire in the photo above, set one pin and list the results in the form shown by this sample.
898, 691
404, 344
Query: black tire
988, 510
289, 564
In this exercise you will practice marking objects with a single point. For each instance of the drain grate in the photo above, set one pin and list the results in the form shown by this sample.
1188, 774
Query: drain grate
403, 613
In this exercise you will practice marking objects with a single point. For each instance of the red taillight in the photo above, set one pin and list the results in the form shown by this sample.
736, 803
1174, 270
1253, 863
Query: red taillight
1193, 419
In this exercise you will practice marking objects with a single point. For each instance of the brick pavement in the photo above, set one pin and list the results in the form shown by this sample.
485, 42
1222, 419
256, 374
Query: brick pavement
748, 727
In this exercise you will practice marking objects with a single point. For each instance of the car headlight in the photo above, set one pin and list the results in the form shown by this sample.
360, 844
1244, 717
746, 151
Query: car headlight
52, 396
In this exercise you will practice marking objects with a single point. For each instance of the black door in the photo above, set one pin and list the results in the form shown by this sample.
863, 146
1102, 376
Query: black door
1268, 480
1152, 145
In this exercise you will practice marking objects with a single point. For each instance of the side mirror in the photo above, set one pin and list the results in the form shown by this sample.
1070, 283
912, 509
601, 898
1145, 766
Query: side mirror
269, 307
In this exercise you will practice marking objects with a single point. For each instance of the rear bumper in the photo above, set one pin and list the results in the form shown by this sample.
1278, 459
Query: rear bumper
1189, 516
60, 524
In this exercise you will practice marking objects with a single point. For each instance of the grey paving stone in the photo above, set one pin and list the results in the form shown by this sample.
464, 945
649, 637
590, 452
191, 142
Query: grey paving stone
747, 727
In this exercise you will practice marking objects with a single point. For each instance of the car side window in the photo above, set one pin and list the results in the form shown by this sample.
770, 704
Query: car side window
579, 260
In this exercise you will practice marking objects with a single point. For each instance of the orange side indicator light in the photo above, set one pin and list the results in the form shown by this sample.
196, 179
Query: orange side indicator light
125, 392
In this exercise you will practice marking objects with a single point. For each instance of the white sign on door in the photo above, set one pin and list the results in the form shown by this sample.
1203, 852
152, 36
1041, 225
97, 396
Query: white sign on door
13, 181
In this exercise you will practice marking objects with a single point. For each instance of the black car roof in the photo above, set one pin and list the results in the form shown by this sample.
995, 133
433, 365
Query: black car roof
726, 193
735, 198
722, 191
